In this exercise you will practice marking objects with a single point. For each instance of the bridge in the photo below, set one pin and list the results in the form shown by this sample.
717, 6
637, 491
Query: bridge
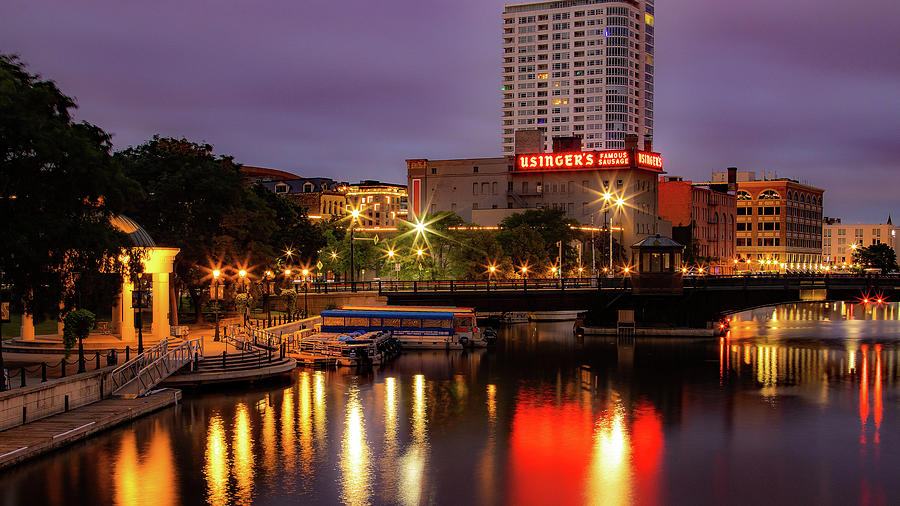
704, 298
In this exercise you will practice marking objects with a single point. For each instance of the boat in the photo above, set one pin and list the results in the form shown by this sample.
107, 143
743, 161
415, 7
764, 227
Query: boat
465, 322
351, 349
554, 316
411, 329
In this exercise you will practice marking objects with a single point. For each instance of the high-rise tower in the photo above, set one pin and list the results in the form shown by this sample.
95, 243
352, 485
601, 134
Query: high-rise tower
578, 67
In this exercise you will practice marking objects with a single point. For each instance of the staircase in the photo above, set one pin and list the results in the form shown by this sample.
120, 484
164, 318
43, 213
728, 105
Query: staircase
248, 360
140, 374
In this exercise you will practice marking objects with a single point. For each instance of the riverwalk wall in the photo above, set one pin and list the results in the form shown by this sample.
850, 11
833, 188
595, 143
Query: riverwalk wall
23, 405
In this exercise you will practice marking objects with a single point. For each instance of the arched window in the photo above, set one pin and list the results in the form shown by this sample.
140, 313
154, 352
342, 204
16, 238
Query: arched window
744, 195
281, 188
769, 195
307, 187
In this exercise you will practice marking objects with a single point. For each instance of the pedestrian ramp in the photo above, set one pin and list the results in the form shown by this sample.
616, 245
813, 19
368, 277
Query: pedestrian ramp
142, 373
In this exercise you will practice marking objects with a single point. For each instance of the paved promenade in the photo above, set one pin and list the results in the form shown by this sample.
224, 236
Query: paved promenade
44, 435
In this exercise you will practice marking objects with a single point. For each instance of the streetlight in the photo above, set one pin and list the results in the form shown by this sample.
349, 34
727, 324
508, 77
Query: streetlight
267, 279
524, 277
243, 275
306, 293
354, 213
491, 270
215, 293
394, 265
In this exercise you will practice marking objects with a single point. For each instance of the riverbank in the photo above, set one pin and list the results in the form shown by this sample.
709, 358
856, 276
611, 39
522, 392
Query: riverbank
47, 434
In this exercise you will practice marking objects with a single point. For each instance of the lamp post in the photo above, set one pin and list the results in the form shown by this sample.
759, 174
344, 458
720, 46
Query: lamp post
215, 294
306, 293
137, 301
267, 279
354, 216
243, 277
524, 278
491, 270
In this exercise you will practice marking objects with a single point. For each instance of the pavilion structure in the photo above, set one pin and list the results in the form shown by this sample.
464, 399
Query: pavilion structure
158, 263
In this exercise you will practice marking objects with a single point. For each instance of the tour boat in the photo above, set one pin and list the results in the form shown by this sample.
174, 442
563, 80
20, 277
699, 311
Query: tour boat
412, 329
465, 323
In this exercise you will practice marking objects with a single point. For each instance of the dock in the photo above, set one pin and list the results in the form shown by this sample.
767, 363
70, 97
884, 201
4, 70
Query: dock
47, 434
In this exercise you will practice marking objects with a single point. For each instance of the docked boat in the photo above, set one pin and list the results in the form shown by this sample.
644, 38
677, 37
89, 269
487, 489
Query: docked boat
554, 316
351, 349
411, 329
464, 325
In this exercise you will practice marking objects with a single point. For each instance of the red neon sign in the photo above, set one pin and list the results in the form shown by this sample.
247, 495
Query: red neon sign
649, 160
564, 161
586, 160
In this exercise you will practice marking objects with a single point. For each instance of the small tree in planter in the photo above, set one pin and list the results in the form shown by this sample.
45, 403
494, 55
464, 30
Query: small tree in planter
76, 326
290, 300
243, 302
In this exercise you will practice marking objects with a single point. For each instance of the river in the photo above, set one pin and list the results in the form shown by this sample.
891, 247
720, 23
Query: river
799, 404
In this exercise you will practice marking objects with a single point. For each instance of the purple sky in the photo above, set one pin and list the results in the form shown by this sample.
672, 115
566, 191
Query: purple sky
809, 89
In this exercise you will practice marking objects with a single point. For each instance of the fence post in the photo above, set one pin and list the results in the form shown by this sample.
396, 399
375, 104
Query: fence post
270, 353
127, 353
43, 372
415, 286
24, 414
223, 360
62, 365
98, 360
22, 372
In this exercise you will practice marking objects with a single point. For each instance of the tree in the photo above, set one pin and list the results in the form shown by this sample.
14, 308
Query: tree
522, 230
877, 256
77, 325
59, 188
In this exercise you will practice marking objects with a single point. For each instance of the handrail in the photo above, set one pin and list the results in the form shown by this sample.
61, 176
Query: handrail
129, 370
164, 366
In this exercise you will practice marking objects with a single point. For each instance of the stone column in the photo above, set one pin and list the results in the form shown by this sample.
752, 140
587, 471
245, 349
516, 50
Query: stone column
160, 326
128, 333
27, 327
115, 326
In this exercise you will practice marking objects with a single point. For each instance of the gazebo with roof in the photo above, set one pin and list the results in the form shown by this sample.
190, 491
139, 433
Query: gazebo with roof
158, 263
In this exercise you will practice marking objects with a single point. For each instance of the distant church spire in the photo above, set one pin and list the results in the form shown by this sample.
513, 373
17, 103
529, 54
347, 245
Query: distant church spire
889, 220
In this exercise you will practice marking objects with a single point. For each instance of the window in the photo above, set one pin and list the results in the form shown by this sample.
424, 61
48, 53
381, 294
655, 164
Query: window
474, 188
281, 188
307, 187
743, 195
434, 170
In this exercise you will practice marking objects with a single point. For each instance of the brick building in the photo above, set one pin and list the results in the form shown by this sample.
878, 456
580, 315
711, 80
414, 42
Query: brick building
779, 224
486, 190
703, 217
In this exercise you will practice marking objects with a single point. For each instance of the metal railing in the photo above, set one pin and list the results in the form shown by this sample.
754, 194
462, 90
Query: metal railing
126, 372
165, 363
587, 282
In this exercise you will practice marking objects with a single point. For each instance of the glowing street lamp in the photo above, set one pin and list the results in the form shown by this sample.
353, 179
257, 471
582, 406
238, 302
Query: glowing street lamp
305, 293
242, 274
354, 213
215, 294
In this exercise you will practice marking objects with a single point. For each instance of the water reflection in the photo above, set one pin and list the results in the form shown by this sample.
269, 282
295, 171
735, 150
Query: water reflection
242, 443
356, 479
391, 447
413, 462
216, 468
795, 405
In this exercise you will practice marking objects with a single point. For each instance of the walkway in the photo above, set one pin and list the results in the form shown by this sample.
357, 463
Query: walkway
41, 436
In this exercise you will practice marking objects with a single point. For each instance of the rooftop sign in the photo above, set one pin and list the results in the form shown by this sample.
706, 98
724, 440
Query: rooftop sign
587, 160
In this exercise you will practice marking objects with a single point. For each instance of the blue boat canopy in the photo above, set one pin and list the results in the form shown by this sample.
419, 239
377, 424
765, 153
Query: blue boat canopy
409, 315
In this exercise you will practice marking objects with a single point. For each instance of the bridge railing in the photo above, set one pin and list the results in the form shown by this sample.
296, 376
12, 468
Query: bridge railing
519, 284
